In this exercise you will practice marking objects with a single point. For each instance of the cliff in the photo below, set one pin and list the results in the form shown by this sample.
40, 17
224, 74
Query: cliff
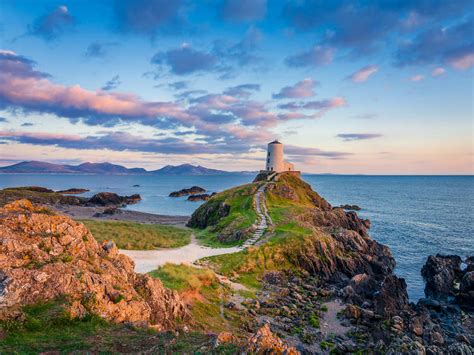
44, 256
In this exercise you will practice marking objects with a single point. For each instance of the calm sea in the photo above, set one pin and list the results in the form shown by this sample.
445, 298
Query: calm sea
414, 215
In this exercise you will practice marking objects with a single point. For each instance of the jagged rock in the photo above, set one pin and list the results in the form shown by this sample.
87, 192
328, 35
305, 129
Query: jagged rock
44, 256
265, 342
350, 207
208, 214
110, 198
392, 298
466, 288
440, 273
184, 192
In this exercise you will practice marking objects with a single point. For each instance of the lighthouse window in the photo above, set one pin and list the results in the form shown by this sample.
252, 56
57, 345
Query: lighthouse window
269, 154
268, 160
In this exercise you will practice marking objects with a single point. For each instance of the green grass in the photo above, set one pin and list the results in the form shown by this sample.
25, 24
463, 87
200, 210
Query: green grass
12, 194
241, 217
138, 236
184, 277
47, 327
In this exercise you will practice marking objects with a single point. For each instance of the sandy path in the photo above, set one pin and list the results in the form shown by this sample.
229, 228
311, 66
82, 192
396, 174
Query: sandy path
148, 260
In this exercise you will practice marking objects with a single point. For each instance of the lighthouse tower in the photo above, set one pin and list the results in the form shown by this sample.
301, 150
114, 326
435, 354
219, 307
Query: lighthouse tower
275, 158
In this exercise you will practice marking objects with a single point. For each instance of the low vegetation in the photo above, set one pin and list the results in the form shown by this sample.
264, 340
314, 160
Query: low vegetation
37, 196
48, 328
206, 296
234, 228
138, 236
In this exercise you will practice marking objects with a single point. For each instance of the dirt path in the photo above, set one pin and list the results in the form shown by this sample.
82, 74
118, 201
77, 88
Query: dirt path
148, 260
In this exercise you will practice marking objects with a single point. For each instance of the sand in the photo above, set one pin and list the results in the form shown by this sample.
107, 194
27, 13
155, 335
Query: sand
148, 260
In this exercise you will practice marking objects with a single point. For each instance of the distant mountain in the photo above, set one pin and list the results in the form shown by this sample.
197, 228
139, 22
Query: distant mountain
38, 167
188, 169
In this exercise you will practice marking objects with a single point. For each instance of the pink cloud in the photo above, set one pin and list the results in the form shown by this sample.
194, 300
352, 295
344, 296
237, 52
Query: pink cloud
363, 74
438, 71
302, 89
463, 62
416, 78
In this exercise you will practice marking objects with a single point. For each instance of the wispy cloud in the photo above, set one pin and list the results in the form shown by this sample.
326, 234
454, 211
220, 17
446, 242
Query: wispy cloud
314, 57
363, 74
243, 10
348, 137
52, 24
112, 83
301, 89
416, 78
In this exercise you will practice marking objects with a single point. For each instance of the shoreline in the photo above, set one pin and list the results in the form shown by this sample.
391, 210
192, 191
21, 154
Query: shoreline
96, 213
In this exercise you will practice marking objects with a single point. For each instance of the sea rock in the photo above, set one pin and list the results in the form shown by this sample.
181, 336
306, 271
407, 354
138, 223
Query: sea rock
33, 188
72, 191
44, 256
350, 207
392, 298
110, 198
184, 192
440, 273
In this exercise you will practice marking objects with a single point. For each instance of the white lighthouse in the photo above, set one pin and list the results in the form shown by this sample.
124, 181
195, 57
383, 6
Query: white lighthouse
275, 158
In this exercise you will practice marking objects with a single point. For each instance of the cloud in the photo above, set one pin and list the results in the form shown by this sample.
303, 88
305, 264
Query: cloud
186, 60
98, 49
21, 86
243, 10
315, 105
363, 74
3, 119
416, 78
178, 85
316, 56
360, 27
301, 89
348, 137
295, 151
438, 71
365, 116
451, 45
243, 90
53, 24
27, 124
112, 83
149, 16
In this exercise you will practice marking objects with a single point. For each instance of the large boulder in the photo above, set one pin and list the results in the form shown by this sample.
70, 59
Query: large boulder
112, 199
194, 190
44, 256
209, 214
441, 272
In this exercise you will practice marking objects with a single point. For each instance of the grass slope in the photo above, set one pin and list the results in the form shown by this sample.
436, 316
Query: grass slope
138, 236
241, 217
47, 328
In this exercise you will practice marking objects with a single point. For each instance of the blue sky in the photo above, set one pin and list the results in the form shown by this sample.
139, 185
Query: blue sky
349, 86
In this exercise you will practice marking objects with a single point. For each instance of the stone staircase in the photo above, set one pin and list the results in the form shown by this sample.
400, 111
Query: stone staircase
263, 217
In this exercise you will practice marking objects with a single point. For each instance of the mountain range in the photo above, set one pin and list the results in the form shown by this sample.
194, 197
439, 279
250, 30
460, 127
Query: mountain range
38, 167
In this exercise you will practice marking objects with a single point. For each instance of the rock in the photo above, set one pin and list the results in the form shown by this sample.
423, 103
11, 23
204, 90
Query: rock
440, 273
136, 185
466, 289
184, 192
416, 326
199, 197
112, 199
265, 342
44, 256
208, 214
350, 207
33, 188
392, 298
225, 338
72, 191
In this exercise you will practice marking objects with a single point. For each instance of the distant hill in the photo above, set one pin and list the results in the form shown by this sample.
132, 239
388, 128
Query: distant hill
38, 167
188, 169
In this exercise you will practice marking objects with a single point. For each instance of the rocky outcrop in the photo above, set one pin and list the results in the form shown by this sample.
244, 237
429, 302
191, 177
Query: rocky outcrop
200, 197
185, 192
112, 199
440, 273
265, 342
350, 207
209, 214
72, 191
44, 256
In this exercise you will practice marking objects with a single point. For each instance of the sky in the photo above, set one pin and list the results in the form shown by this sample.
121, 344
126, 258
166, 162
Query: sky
350, 87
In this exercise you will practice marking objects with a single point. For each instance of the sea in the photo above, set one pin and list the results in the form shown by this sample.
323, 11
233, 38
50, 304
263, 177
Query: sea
416, 216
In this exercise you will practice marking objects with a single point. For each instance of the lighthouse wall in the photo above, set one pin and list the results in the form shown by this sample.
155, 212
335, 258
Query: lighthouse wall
275, 160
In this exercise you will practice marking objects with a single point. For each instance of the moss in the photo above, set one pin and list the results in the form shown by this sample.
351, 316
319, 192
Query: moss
314, 321
326, 345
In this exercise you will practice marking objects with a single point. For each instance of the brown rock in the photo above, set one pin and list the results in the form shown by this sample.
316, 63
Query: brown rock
265, 342
44, 256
